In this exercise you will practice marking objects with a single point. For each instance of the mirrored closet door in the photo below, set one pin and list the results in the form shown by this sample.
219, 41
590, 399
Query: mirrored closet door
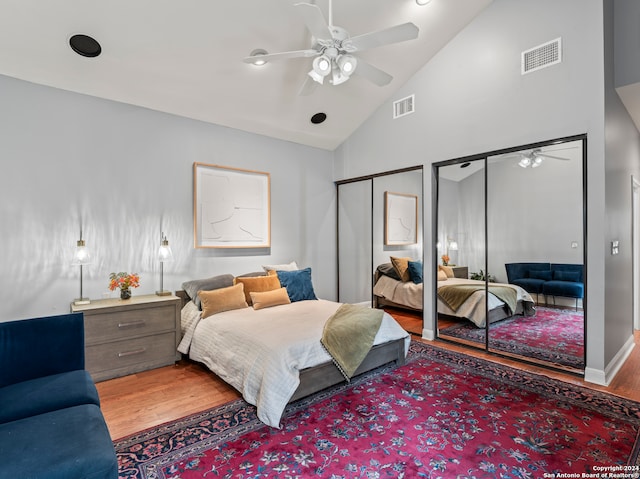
380, 244
461, 252
532, 270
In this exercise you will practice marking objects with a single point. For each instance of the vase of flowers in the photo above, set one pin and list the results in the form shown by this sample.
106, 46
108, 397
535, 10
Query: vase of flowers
445, 260
125, 282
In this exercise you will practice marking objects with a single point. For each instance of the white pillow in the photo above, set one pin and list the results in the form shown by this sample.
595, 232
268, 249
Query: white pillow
280, 267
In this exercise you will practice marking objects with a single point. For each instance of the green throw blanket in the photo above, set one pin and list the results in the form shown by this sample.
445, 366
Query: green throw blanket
348, 336
455, 295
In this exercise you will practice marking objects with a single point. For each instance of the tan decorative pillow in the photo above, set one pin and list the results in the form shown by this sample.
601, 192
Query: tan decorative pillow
401, 265
223, 299
448, 270
267, 299
442, 276
258, 284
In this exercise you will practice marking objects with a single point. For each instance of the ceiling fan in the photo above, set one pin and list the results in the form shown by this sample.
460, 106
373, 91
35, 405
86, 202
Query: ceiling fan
332, 49
533, 159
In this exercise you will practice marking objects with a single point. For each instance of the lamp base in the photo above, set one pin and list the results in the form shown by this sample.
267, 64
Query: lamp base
80, 301
163, 293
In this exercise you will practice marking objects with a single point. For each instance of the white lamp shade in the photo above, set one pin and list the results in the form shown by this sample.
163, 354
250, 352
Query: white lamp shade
164, 252
81, 254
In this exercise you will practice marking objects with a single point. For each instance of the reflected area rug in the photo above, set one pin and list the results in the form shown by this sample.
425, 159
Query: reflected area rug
443, 414
552, 335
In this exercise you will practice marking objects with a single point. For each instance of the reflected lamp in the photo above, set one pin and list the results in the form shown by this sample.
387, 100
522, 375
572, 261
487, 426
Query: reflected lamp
81, 257
164, 255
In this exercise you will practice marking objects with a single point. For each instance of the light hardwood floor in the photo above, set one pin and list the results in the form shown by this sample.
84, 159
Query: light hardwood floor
133, 403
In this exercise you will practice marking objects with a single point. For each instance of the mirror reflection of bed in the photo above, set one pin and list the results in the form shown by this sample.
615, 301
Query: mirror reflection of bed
533, 198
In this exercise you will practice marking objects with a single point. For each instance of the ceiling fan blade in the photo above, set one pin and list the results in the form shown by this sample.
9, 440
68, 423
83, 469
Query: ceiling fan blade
314, 20
399, 33
308, 87
544, 155
373, 74
282, 55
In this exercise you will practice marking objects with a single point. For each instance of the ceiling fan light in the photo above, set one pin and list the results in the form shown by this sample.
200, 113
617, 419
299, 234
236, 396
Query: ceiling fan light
347, 64
422, 2
316, 76
525, 162
322, 65
537, 161
338, 77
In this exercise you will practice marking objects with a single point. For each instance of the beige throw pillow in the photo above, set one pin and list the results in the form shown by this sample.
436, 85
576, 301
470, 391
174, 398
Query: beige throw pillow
258, 284
267, 299
223, 299
442, 276
448, 270
401, 265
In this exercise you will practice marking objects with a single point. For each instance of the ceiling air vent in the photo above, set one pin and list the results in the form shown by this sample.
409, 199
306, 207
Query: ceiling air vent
542, 56
403, 106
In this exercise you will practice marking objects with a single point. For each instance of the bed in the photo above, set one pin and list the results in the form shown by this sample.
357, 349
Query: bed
390, 291
273, 356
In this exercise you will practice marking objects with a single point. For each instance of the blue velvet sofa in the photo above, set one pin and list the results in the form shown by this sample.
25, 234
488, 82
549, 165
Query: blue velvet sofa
549, 279
51, 425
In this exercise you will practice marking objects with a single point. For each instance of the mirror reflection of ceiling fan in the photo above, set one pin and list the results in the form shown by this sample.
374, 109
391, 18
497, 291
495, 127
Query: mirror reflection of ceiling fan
332, 49
534, 158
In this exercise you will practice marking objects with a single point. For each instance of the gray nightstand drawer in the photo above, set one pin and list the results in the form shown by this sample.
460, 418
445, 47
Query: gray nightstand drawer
109, 326
125, 337
109, 360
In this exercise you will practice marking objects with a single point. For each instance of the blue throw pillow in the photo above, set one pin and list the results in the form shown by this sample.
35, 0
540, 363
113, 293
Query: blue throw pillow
298, 284
415, 271
566, 276
540, 274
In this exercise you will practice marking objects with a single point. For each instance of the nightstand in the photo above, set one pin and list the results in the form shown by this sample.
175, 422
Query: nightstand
460, 272
128, 336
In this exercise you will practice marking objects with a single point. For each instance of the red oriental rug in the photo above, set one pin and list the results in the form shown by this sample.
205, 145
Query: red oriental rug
552, 335
443, 414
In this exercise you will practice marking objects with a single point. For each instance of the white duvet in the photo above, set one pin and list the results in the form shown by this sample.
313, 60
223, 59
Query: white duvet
410, 294
260, 353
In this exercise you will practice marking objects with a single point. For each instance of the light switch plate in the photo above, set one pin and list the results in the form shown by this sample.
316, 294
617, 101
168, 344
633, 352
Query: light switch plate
615, 247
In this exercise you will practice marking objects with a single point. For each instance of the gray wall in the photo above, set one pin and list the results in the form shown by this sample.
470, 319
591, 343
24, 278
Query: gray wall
471, 98
125, 174
622, 147
626, 37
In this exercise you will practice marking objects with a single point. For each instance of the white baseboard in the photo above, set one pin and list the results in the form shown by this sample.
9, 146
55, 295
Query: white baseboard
428, 334
604, 378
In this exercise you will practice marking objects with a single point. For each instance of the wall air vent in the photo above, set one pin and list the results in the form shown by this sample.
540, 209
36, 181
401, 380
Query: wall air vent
542, 56
404, 106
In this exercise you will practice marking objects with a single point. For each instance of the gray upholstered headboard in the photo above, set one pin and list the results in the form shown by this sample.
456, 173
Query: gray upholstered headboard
182, 294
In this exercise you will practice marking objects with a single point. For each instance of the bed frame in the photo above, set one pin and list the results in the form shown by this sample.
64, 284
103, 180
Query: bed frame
327, 374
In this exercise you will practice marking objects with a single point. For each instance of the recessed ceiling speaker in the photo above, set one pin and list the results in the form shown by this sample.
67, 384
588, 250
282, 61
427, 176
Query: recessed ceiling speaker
318, 118
85, 45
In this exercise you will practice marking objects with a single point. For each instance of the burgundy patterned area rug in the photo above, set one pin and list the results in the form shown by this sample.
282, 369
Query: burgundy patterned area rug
443, 414
552, 335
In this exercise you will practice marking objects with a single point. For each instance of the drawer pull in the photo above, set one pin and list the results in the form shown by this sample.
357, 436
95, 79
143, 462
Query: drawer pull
132, 353
131, 323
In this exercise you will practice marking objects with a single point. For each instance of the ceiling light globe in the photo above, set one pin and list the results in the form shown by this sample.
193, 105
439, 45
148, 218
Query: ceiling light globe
422, 2
323, 65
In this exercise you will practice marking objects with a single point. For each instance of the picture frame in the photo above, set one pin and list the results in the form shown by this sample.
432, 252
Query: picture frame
400, 219
231, 207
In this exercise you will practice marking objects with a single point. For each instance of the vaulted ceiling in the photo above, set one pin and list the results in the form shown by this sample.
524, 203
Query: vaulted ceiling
185, 57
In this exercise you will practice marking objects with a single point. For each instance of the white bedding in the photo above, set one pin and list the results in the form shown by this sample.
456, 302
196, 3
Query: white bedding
405, 293
410, 294
474, 307
260, 353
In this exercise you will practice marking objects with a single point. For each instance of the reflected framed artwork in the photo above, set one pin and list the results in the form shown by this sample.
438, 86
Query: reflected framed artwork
400, 219
231, 207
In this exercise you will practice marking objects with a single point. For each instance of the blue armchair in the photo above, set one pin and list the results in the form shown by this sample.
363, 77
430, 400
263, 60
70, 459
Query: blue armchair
51, 425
